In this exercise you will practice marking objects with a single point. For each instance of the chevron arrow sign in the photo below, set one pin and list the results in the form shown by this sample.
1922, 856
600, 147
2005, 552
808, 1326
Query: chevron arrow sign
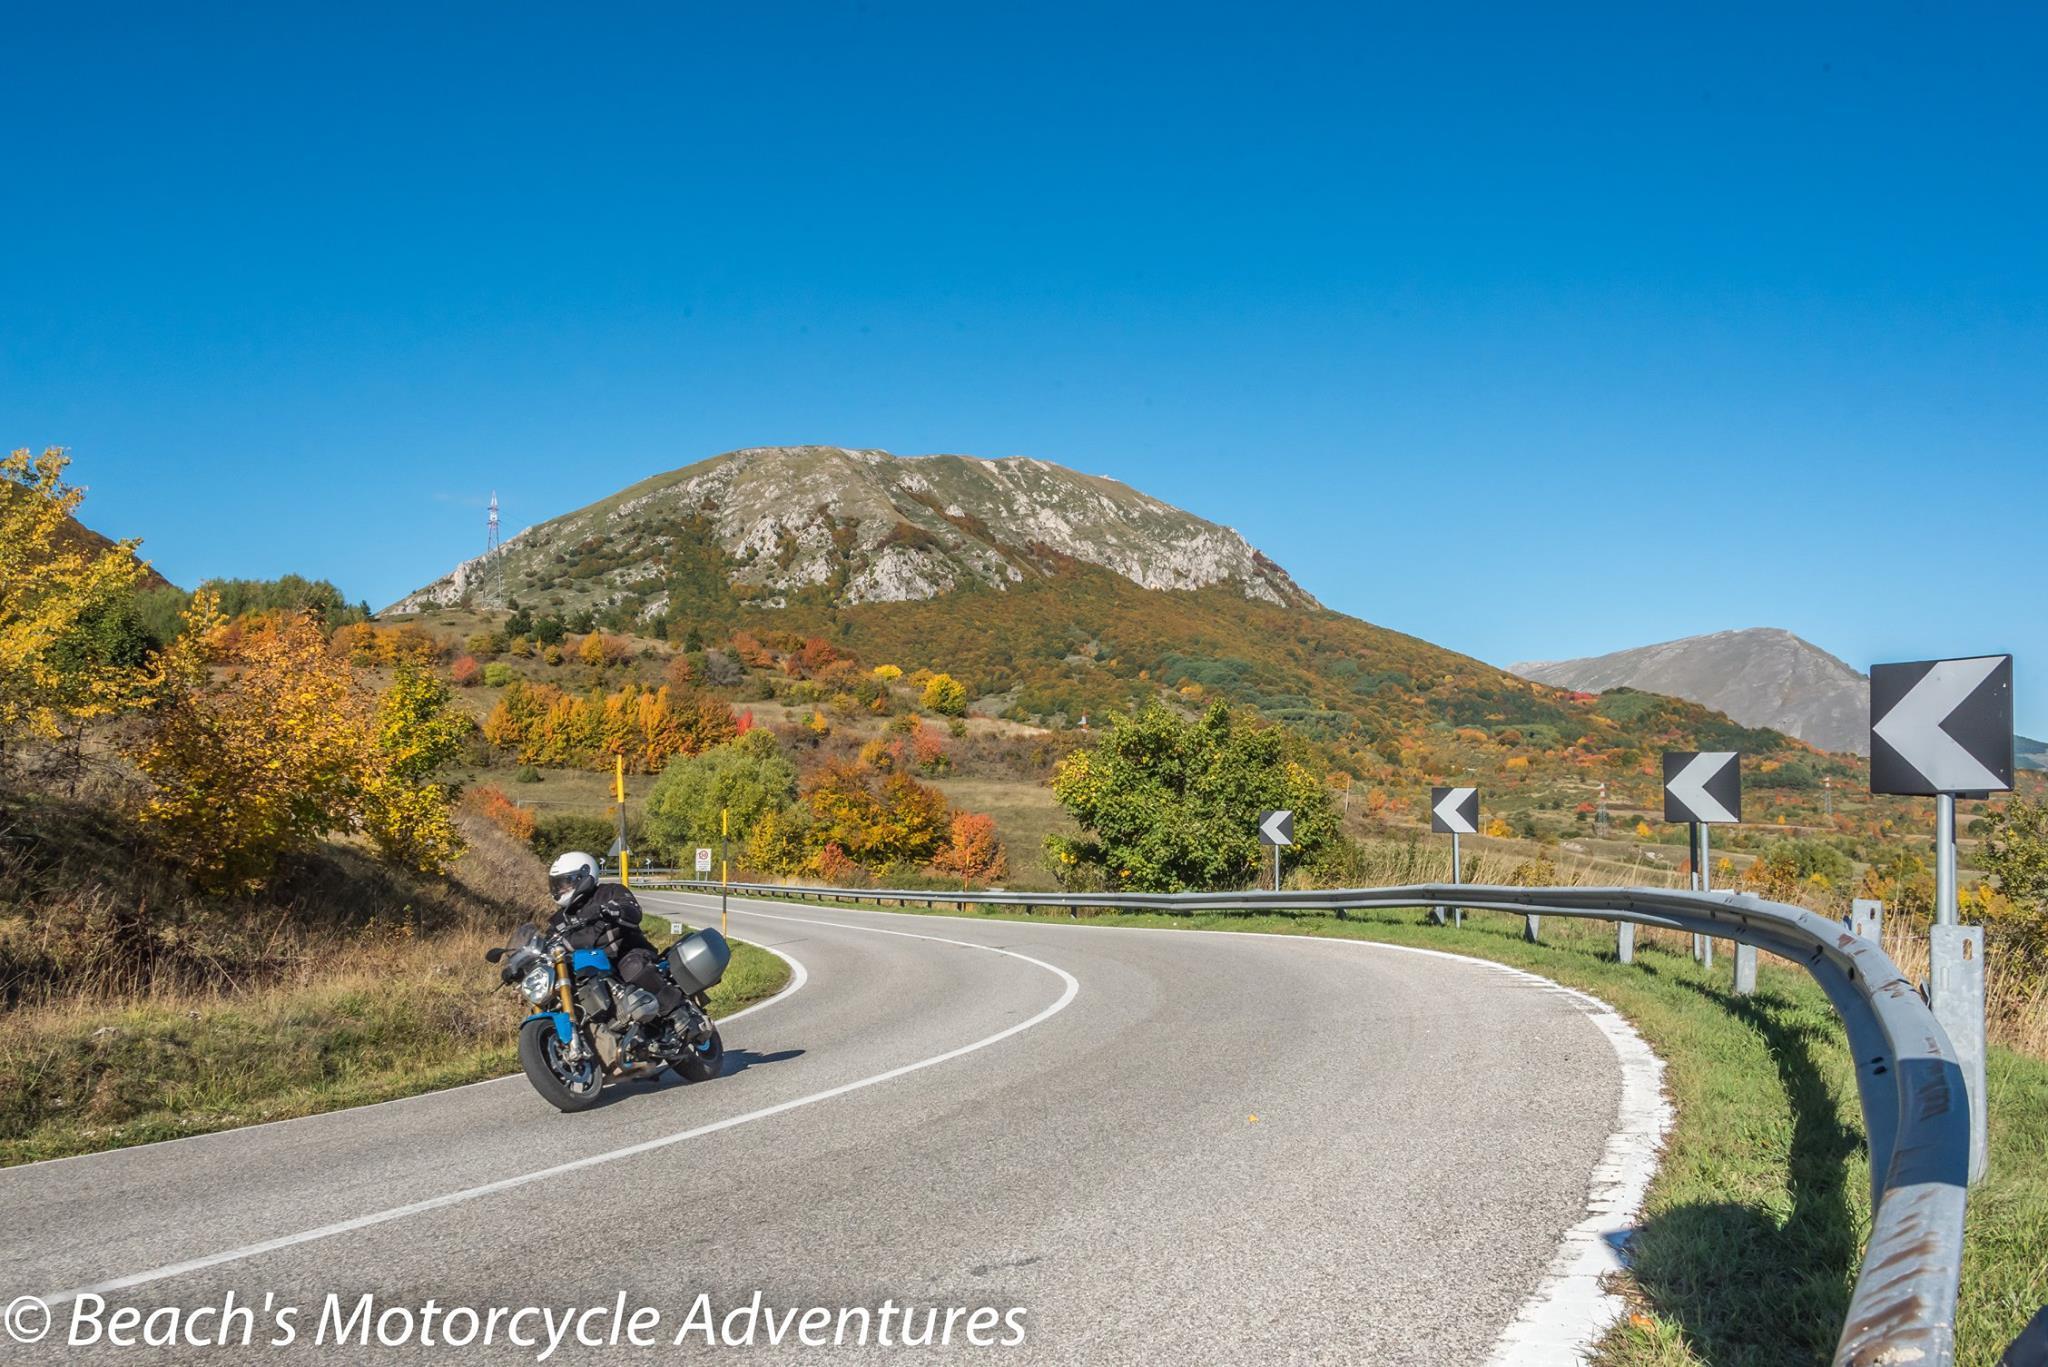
1454, 811
1703, 786
1941, 726
1276, 828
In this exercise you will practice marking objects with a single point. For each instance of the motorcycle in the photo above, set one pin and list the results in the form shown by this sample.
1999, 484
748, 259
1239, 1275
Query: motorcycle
589, 1027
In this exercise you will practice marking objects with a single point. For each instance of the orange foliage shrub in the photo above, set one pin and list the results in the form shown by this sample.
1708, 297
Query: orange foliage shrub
465, 671
972, 853
501, 811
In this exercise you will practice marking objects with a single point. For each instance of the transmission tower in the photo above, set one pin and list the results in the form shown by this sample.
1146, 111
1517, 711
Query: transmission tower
1600, 817
491, 526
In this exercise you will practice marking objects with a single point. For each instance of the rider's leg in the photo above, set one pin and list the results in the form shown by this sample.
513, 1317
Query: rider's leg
637, 966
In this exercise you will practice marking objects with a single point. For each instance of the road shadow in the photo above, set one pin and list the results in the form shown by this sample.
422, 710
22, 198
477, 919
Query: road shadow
1757, 1282
736, 1061
739, 1060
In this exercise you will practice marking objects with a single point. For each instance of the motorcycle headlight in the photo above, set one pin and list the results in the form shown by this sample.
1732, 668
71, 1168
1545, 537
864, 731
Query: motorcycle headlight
538, 986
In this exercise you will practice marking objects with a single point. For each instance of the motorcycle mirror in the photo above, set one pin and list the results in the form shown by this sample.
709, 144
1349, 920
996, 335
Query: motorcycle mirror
493, 955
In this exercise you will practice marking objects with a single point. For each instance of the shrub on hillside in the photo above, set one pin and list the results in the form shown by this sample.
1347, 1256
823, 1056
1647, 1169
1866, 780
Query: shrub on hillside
498, 674
491, 804
945, 695
465, 671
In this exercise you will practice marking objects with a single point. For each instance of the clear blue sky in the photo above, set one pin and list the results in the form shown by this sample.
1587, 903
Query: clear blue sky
1536, 331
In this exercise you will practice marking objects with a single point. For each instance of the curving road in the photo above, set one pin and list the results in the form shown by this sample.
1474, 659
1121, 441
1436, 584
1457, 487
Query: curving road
1162, 1146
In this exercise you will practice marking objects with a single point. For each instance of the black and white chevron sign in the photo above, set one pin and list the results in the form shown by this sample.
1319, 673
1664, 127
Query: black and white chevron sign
1941, 726
1703, 785
1276, 828
1454, 811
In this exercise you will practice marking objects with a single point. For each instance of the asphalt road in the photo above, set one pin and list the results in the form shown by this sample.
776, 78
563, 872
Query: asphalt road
1158, 1146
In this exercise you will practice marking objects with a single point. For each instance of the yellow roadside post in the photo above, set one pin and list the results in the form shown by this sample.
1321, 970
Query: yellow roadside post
619, 791
724, 864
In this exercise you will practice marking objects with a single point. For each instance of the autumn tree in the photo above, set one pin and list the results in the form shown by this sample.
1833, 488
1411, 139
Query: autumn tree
1168, 804
71, 649
972, 852
877, 820
261, 759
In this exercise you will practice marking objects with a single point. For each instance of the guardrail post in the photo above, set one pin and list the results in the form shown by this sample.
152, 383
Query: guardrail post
1531, 925
1625, 941
1955, 989
1745, 969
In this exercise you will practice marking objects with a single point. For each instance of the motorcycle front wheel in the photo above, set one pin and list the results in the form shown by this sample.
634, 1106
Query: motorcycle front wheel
562, 1084
704, 1061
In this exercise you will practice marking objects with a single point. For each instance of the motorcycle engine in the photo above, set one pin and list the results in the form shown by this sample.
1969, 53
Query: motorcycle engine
636, 1003
594, 997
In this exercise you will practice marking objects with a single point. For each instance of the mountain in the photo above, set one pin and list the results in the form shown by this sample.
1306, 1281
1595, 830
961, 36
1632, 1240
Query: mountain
855, 527
1058, 596
1761, 676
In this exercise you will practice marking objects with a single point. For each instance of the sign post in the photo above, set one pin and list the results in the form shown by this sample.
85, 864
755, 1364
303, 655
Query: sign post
620, 848
1276, 829
1941, 728
1454, 810
1702, 788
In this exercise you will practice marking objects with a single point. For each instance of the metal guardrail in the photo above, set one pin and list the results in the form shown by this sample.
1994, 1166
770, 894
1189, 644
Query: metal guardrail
1909, 1079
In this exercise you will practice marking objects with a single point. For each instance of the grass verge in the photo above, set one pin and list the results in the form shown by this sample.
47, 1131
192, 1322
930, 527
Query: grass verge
1753, 1228
430, 1016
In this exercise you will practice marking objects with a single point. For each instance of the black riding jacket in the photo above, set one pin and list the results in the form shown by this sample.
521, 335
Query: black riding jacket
608, 919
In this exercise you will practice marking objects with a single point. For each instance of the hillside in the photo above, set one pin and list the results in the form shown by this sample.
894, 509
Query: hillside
1760, 676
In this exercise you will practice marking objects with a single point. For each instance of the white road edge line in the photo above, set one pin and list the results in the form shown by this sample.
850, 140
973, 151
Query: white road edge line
1571, 1308
1073, 988
798, 976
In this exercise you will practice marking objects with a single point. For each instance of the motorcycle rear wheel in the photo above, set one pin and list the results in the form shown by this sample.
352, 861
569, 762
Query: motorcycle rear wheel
704, 1061
562, 1084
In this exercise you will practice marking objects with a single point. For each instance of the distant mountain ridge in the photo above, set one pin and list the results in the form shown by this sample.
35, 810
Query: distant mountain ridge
856, 527
1759, 676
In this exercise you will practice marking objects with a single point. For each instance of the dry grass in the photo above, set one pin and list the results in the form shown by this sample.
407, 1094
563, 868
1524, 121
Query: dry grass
138, 1012
2015, 1003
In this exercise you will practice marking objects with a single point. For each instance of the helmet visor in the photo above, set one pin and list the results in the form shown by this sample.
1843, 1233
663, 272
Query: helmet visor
560, 885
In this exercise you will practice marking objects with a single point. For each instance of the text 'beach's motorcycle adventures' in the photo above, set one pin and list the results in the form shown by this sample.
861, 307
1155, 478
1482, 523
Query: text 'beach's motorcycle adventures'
607, 1006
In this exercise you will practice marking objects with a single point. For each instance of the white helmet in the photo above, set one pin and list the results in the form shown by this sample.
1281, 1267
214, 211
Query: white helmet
572, 878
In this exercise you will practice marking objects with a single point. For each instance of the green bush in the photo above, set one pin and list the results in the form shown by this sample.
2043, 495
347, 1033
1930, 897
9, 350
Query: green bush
498, 674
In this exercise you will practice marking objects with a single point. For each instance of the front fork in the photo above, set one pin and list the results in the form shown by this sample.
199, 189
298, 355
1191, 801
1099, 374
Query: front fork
565, 989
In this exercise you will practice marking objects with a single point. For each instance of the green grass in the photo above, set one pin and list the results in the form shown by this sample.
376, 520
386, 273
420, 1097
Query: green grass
1753, 1228
89, 1079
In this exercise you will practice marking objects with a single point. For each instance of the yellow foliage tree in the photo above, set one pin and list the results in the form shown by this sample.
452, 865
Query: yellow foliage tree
259, 747
945, 695
261, 760
57, 591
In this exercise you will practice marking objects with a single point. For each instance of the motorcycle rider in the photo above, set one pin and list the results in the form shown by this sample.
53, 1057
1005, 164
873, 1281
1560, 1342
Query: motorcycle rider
606, 916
